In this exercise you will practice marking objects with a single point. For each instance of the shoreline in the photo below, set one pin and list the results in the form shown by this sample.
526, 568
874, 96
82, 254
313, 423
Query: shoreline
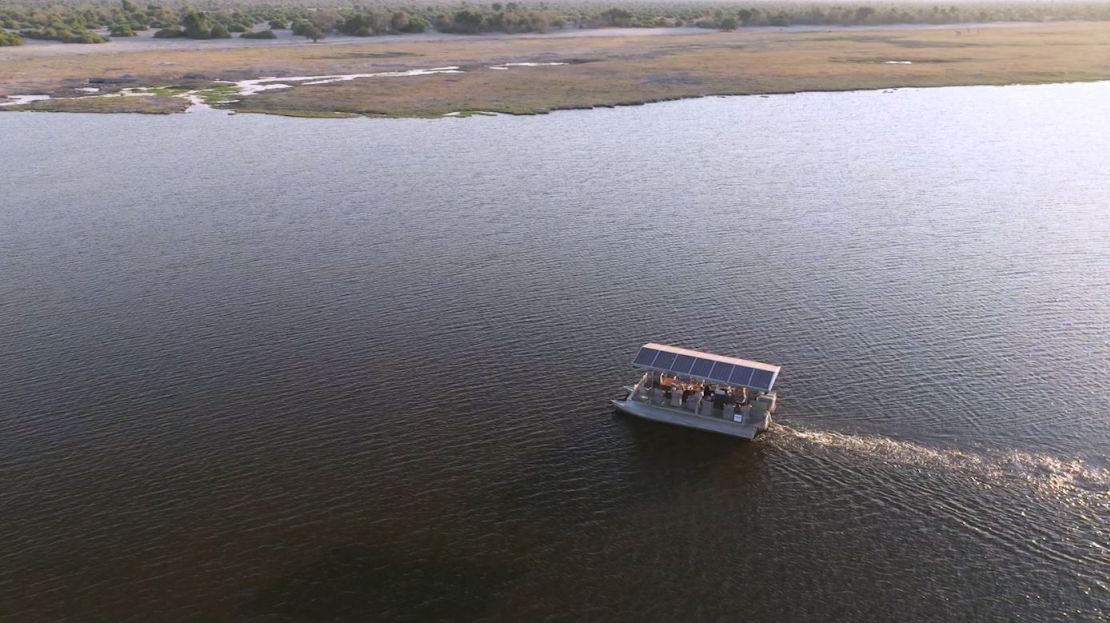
536, 75
195, 103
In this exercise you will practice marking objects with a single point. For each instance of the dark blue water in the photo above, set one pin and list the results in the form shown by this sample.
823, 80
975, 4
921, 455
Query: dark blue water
267, 369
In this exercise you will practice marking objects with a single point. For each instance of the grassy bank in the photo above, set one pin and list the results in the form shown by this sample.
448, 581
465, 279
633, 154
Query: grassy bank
600, 71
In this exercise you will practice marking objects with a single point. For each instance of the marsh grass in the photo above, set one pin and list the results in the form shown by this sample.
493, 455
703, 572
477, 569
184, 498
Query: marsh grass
601, 71
152, 104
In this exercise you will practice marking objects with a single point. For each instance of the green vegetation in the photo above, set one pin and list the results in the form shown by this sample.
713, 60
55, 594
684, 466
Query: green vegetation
10, 38
365, 23
308, 30
108, 104
510, 18
262, 34
63, 34
197, 25
74, 20
165, 91
122, 30
215, 95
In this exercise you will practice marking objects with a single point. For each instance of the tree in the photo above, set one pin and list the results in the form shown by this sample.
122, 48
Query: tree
299, 26
416, 24
399, 21
728, 23
278, 24
617, 17
312, 31
326, 19
468, 21
197, 25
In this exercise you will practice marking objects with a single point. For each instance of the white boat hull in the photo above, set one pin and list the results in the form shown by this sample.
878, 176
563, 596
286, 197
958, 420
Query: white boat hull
678, 417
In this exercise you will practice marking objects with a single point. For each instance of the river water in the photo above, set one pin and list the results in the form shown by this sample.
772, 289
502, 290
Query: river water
266, 369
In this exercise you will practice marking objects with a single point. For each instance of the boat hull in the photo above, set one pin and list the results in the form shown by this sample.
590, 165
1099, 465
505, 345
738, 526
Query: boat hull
740, 430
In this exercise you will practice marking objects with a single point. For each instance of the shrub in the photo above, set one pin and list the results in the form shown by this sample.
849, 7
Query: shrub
262, 34
219, 31
168, 33
64, 35
10, 38
122, 30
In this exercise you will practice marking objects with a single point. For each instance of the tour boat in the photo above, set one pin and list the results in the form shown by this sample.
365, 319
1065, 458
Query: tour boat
701, 390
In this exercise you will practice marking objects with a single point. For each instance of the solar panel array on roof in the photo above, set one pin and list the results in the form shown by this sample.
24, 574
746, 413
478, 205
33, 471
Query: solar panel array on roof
707, 367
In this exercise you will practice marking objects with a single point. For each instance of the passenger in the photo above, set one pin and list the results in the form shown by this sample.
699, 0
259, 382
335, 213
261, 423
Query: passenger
707, 391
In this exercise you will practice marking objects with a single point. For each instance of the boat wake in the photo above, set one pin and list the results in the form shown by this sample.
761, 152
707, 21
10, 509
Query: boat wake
1080, 483
1040, 506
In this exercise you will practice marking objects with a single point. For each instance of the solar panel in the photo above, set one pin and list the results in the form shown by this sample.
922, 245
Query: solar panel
715, 368
762, 379
645, 356
741, 375
682, 364
701, 367
721, 371
664, 360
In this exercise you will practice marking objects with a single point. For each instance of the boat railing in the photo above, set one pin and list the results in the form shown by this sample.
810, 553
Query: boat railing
695, 403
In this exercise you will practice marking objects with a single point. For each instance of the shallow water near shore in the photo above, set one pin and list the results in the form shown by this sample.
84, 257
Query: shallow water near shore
266, 369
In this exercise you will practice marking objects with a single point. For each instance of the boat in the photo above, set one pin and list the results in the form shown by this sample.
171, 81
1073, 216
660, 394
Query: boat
708, 392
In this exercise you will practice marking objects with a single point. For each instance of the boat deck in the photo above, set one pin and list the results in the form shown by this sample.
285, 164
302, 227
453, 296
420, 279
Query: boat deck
747, 429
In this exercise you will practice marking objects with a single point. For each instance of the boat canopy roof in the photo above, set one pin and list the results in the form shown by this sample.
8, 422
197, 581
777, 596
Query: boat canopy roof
707, 366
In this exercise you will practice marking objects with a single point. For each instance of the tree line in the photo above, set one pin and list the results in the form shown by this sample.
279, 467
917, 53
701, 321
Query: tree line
75, 22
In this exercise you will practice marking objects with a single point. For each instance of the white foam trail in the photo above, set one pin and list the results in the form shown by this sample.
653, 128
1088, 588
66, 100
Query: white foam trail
1078, 481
